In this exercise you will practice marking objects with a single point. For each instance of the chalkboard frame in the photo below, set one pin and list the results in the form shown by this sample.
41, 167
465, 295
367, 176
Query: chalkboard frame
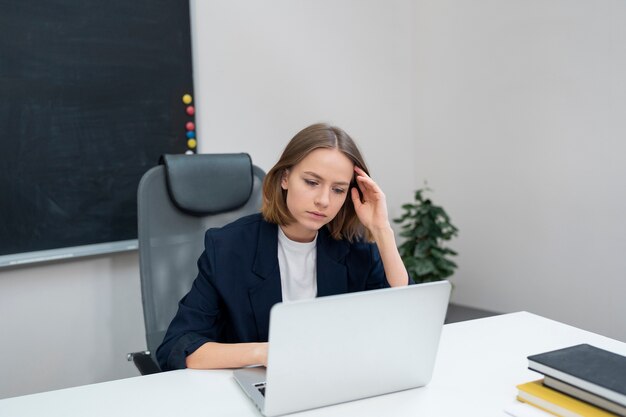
61, 254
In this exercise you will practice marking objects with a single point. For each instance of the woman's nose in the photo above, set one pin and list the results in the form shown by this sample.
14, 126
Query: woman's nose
322, 198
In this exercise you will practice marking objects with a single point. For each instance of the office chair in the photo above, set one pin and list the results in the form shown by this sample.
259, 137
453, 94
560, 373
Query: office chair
177, 202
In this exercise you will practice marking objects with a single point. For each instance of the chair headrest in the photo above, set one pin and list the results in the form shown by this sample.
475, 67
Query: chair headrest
208, 183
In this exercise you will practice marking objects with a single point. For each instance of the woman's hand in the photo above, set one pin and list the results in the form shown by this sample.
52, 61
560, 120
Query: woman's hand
372, 210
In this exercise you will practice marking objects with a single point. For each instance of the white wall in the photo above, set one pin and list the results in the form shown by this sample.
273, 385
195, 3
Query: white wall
69, 323
265, 70
521, 120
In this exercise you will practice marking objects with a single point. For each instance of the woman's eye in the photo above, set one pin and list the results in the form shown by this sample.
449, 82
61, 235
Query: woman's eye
310, 182
339, 190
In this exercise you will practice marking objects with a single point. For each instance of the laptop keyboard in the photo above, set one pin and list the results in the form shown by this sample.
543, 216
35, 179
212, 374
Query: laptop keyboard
261, 387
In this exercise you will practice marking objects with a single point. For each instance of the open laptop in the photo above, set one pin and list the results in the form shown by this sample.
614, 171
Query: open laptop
341, 348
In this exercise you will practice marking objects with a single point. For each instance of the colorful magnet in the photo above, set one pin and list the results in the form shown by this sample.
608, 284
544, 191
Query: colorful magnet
191, 134
191, 143
190, 110
190, 126
187, 99
189, 152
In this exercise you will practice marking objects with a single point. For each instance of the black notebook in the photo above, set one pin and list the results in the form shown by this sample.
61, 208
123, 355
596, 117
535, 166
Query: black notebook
586, 367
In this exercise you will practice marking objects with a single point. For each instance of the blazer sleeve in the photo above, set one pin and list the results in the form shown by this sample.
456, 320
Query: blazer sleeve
377, 278
197, 319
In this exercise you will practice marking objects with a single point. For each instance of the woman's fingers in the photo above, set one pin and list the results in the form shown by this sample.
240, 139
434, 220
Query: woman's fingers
365, 179
368, 187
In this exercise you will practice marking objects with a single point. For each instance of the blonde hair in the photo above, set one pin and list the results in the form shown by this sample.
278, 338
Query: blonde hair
346, 224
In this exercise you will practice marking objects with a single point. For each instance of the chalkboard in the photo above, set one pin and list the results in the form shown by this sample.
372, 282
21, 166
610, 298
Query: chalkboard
91, 96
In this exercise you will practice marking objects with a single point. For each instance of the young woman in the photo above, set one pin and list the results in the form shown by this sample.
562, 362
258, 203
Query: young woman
323, 230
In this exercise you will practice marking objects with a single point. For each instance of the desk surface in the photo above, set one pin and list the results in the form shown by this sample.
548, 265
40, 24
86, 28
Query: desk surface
478, 366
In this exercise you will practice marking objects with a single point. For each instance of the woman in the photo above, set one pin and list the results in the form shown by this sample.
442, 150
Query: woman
312, 238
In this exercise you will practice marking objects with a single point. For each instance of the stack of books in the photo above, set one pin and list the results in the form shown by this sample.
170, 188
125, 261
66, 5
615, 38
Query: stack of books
580, 380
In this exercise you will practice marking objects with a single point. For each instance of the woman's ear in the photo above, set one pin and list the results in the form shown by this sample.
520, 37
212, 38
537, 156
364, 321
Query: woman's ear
284, 179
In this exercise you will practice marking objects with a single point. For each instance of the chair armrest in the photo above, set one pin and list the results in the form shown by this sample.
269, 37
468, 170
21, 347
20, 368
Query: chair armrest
144, 362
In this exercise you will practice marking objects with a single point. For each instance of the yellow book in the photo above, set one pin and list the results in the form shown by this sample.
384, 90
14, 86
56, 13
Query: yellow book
537, 394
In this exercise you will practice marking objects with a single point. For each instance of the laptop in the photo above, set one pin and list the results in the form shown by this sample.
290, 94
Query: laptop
340, 348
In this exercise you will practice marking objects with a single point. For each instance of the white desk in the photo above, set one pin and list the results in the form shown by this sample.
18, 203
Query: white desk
478, 366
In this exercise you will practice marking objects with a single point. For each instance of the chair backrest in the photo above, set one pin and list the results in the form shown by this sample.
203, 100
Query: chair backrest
177, 202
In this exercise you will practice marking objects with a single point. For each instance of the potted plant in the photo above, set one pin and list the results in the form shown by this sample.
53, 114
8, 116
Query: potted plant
426, 227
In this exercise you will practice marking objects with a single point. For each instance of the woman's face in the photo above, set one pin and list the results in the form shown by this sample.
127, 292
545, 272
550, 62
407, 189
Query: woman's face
316, 190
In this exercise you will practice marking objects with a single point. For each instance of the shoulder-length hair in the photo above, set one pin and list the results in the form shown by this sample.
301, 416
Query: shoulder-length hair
346, 224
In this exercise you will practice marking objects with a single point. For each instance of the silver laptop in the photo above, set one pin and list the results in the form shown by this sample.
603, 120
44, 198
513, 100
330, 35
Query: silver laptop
341, 348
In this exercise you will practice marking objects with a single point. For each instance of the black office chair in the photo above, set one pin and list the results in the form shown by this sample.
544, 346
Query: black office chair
177, 202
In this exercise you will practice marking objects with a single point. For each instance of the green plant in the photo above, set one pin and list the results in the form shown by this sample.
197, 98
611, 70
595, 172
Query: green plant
425, 227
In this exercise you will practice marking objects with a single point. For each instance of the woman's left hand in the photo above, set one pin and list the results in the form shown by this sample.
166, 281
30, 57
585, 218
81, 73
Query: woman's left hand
372, 210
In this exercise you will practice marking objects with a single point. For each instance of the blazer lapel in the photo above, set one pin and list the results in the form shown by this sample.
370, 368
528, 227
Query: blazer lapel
332, 275
267, 291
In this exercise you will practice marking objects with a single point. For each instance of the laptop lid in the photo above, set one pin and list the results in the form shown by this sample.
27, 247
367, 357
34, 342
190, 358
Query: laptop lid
340, 348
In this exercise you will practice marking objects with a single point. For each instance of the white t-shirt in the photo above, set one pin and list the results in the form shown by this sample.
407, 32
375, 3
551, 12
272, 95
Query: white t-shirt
298, 268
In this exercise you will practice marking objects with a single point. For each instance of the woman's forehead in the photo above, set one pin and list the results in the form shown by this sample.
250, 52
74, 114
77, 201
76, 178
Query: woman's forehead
328, 163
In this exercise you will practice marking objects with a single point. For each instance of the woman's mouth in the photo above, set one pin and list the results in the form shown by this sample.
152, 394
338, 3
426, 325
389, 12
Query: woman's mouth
317, 215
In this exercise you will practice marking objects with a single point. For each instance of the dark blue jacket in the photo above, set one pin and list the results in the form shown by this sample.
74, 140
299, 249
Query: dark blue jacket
239, 281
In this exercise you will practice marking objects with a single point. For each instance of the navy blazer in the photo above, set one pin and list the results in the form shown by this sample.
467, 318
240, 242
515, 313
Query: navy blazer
238, 282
